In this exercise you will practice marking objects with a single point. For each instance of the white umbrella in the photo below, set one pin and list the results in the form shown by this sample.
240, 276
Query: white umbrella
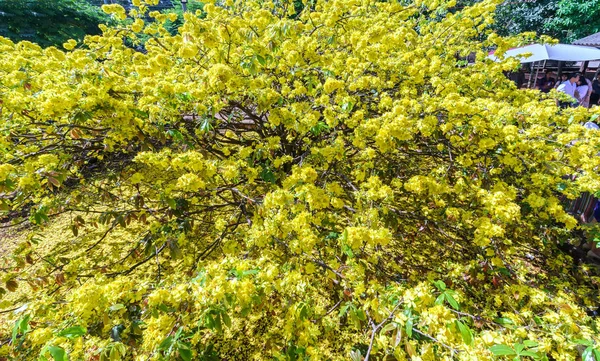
560, 52
543, 52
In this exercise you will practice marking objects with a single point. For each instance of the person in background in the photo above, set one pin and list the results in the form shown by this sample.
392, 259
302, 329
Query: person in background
563, 78
595, 97
583, 91
569, 87
546, 83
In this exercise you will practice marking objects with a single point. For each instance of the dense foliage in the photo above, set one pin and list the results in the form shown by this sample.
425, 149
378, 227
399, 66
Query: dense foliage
514, 17
566, 20
574, 20
48, 22
269, 185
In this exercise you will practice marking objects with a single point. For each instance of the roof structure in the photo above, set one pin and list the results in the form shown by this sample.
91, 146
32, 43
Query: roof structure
590, 40
560, 52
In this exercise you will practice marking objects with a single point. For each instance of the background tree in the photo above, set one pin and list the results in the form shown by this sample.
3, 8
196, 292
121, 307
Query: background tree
573, 20
49, 22
566, 20
515, 17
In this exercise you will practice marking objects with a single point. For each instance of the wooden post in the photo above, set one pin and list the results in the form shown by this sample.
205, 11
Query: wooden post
583, 67
530, 75
559, 71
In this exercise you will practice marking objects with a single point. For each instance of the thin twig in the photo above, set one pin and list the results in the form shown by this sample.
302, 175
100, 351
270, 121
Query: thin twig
377, 327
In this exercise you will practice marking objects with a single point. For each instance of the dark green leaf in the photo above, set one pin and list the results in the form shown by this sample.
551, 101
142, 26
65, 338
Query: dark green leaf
58, 353
452, 301
465, 332
73, 332
185, 353
166, 343
175, 134
267, 175
361, 315
226, 319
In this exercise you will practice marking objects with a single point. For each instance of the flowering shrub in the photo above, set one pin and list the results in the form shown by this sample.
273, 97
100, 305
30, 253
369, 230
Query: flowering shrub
279, 182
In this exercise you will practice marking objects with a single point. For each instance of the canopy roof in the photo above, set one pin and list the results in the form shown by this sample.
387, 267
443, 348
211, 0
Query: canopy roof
590, 40
560, 52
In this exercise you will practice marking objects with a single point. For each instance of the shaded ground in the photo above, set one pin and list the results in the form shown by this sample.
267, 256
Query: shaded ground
9, 238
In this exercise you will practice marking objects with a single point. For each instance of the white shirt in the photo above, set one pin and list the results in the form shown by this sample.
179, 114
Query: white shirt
568, 88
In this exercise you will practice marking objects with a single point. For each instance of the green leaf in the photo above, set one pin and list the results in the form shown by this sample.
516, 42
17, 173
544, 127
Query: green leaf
440, 285
465, 332
529, 353
530, 343
344, 236
114, 354
218, 323
344, 309
172, 203
121, 348
518, 348
503, 321
175, 134
596, 354
409, 327
361, 315
261, 60
587, 354
303, 314
389, 327
58, 353
185, 353
116, 307
226, 319
206, 125
166, 343
452, 301
267, 175
250, 272
440, 299
584, 342
20, 327
347, 250
355, 355
502, 350
73, 332
347, 107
